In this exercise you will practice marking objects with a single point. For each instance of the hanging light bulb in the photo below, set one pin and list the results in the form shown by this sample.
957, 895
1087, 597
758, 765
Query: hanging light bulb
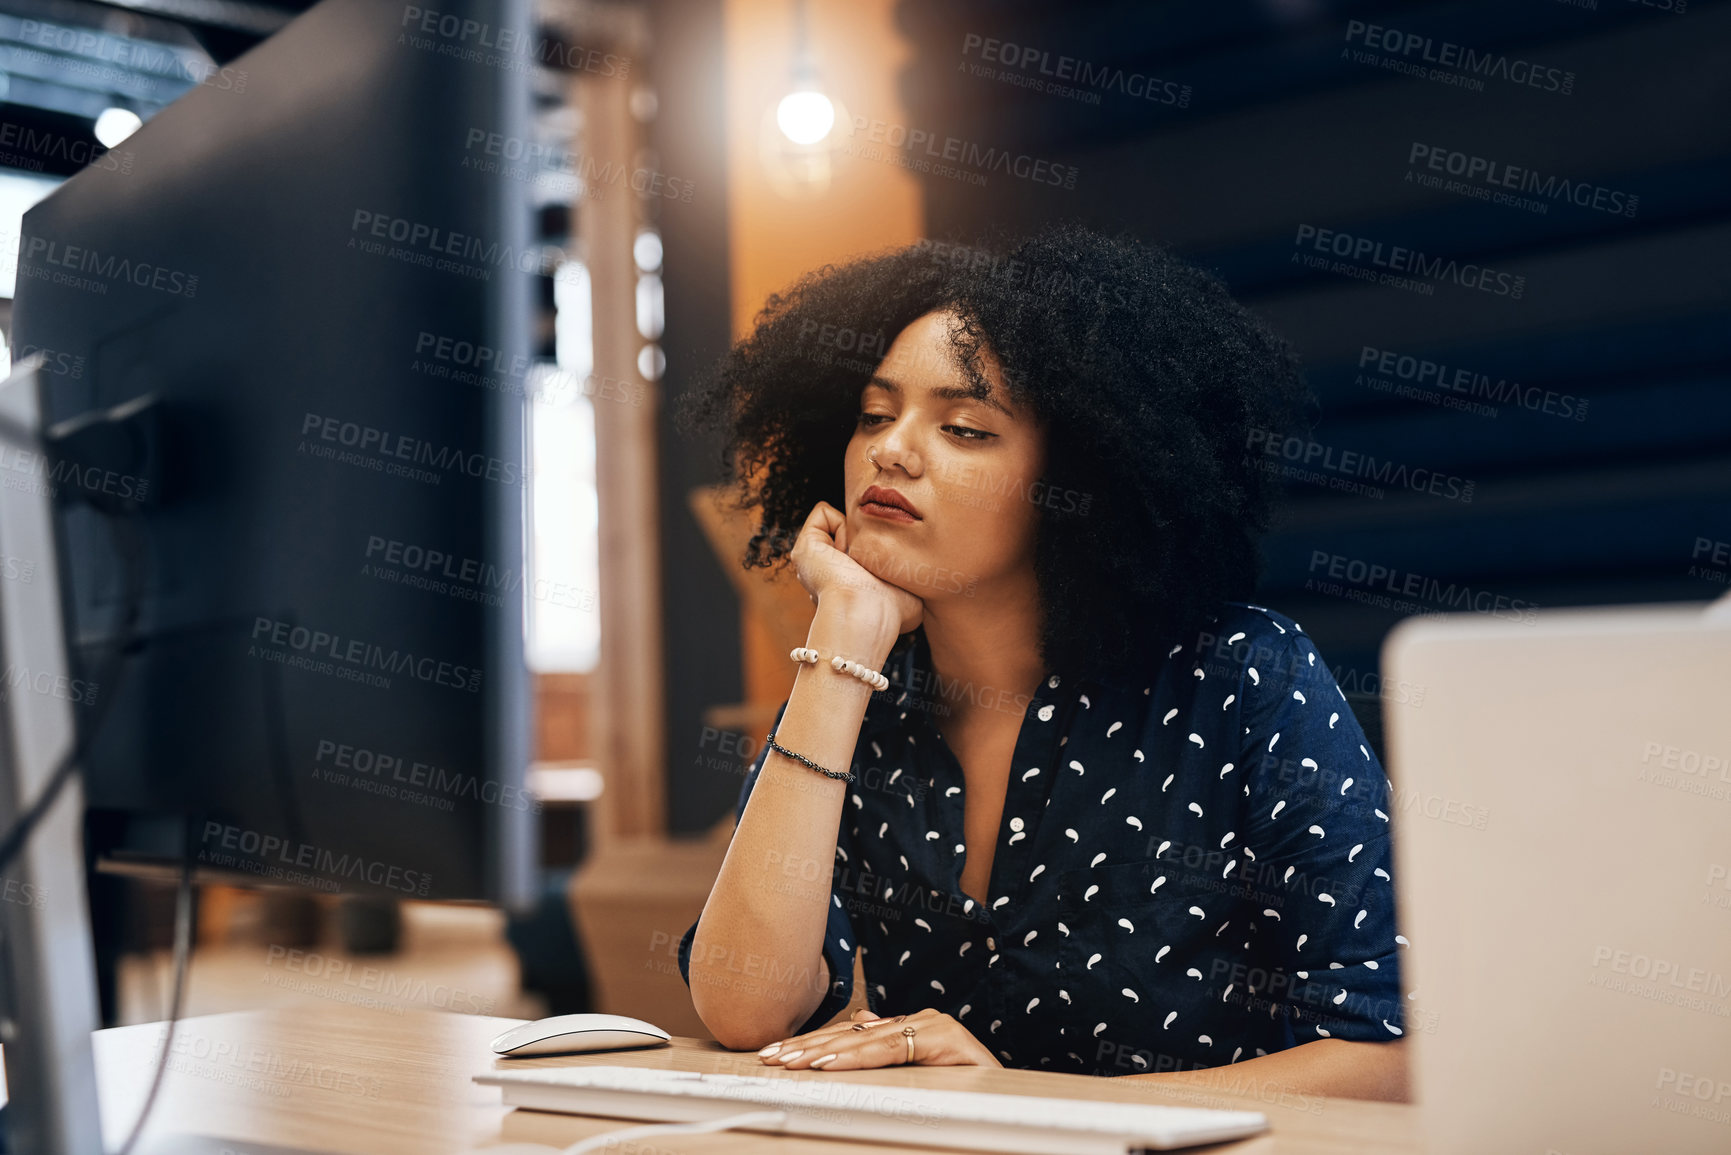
805, 115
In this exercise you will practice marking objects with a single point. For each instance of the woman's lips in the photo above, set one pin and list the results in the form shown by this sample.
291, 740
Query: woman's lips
889, 504
887, 512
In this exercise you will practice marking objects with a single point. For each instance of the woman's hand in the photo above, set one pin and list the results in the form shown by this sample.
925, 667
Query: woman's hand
821, 562
868, 1041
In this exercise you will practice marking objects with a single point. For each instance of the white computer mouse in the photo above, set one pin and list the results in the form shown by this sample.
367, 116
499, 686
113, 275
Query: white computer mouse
565, 1034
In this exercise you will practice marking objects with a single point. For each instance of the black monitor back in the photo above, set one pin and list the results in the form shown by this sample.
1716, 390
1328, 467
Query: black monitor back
328, 686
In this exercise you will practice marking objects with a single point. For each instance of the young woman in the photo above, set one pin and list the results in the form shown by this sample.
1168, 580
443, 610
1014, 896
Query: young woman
1077, 807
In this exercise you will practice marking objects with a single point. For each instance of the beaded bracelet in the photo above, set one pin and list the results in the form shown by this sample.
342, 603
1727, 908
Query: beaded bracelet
841, 665
843, 775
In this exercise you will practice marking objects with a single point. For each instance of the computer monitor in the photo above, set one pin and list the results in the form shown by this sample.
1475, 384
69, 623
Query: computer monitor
1560, 802
323, 282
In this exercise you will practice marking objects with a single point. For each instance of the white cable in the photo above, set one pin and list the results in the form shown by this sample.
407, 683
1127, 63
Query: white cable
747, 1119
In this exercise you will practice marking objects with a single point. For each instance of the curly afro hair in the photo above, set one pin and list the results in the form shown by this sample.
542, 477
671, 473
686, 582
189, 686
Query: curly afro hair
1150, 381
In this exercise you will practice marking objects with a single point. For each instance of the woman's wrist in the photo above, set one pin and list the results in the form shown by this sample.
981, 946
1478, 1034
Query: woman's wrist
860, 629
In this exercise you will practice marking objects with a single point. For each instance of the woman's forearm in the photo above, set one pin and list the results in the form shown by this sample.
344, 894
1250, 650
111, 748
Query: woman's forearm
1339, 1068
770, 902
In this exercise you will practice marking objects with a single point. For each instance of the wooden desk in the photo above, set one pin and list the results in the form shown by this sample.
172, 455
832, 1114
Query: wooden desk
368, 1082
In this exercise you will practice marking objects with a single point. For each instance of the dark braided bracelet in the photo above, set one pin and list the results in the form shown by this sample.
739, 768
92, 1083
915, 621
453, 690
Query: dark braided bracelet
843, 775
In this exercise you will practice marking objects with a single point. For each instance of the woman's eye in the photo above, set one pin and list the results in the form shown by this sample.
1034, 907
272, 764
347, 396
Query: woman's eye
967, 434
872, 418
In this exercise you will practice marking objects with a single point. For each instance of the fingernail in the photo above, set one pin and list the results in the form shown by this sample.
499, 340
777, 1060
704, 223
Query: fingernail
769, 1050
789, 1057
822, 1061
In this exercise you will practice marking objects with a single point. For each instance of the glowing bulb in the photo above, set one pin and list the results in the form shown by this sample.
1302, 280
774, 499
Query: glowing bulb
115, 125
805, 117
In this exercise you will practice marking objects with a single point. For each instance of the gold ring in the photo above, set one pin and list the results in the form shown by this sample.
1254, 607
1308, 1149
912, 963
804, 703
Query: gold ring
908, 1034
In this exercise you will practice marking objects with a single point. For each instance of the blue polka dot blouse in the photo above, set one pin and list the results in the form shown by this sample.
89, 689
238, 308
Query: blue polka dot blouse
1191, 870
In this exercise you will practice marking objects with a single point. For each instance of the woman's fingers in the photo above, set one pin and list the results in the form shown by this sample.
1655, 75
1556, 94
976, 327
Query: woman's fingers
854, 1050
825, 519
779, 1052
825, 529
939, 1040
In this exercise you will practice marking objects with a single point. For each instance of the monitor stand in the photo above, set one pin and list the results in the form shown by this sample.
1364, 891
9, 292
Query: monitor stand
47, 969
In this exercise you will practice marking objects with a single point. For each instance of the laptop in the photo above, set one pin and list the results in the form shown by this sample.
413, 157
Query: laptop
1562, 826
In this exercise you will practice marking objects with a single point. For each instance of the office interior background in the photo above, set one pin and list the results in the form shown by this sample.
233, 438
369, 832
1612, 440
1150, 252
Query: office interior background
1546, 426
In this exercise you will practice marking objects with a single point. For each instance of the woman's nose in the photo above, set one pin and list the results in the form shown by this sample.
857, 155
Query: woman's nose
897, 449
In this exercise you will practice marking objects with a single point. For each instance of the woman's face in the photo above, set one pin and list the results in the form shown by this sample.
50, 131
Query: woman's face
965, 468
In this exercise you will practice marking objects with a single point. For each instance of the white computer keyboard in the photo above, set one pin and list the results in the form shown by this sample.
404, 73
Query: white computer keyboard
826, 1106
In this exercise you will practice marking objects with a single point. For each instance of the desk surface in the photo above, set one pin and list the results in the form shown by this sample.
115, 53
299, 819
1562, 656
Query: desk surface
366, 1082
